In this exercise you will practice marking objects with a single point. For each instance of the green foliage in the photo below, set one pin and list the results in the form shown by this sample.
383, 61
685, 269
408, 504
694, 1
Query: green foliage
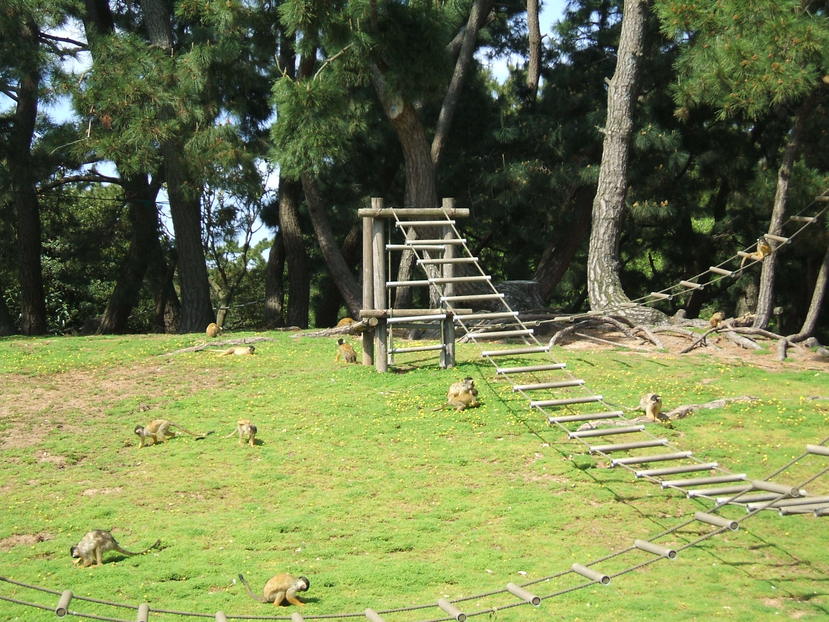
315, 125
745, 58
364, 483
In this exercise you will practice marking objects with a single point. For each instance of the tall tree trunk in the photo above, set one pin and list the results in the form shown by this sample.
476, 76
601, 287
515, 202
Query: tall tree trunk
557, 256
816, 305
143, 218
765, 299
6, 322
275, 283
160, 274
32, 298
534, 45
299, 278
343, 278
185, 208
140, 197
603, 267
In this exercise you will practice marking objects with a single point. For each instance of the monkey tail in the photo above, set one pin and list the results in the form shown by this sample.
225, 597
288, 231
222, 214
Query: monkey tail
260, 599
198, 436
126, 552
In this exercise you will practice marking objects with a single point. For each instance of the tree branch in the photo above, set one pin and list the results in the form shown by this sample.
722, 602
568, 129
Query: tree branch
97, 178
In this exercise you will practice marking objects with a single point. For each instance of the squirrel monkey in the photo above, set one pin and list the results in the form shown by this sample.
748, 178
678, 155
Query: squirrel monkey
213, 330
463, 394
651, 403
279, 588
716, 319
763, 250
158, 431
238, 350
94, 544
346, 352
246, 430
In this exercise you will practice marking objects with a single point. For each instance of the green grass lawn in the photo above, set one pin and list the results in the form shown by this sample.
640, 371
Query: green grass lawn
364, 483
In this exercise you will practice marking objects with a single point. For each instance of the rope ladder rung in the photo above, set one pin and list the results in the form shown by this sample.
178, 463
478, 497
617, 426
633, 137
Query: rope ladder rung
586, 417
609, 431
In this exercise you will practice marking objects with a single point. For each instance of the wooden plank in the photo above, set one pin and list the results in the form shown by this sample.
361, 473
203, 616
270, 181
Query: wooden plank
412, 212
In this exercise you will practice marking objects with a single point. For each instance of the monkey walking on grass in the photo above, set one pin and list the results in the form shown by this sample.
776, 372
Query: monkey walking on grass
94, 544
279, 588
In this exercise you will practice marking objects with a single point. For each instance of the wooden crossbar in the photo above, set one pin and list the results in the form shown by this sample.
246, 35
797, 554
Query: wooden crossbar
564, 402
782, 489
756, 498
655, 458
498, 334
423, 223
691, 284
427, 242
690, 468
586, 417
417, 349
416, 318
405, 247
719, 521
547, 385
447, 260
722, 271
471, 297
591, 574
514, 351
784, 503
412, 212
454, 612
486, 316
702, 481
776, 238
721, 490
523, 594
529, 368
606, 449
610, 431
650, 547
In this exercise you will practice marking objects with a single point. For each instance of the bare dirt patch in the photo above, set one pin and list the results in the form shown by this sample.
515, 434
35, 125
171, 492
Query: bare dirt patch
27, 539
715, 346
32, 408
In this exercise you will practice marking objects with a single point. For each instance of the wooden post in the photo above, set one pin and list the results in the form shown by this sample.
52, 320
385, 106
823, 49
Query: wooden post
368, 276
447, 335
378, 249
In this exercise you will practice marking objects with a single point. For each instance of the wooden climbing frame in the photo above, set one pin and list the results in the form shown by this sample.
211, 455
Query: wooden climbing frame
375, 312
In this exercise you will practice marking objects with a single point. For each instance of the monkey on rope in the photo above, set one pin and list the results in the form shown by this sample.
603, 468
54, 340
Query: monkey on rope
94, 544
279, 588
763, 250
